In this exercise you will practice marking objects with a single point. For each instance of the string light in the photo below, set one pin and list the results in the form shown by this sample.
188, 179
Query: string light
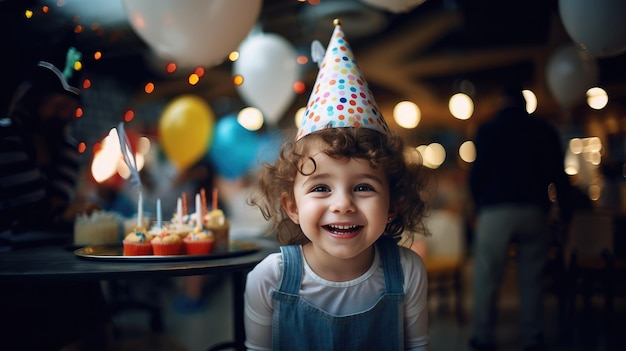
149, 88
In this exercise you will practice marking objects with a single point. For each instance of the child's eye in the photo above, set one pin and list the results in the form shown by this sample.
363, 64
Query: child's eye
319, 188
363, 187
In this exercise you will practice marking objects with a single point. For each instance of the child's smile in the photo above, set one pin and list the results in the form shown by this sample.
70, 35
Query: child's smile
342, 205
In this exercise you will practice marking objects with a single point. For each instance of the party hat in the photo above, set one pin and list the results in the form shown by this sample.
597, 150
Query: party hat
341, 97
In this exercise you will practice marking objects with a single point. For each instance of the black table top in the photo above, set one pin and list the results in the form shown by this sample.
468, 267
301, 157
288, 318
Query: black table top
59, 262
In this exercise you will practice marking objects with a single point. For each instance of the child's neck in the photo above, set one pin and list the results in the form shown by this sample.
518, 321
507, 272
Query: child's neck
337, 269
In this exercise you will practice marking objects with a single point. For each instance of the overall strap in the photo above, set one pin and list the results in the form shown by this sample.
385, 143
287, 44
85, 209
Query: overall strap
392, 268
292, 269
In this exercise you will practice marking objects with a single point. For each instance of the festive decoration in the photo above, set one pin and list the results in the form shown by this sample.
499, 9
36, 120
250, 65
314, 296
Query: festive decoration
395, 6
186, 130
571, 72
234, 148
193, 32
267, 63
341, 97
598, 26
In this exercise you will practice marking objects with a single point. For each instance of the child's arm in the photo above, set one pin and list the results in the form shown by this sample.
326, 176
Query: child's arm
416, 336
261, 282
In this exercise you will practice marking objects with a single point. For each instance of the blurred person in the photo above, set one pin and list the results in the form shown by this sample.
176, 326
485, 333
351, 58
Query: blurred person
38, 176
40, 161
518, 158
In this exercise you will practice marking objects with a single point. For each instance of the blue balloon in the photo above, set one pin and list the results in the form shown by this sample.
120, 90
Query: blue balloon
234, 148
269, 147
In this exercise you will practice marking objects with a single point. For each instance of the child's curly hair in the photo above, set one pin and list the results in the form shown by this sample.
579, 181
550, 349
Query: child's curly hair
406, 179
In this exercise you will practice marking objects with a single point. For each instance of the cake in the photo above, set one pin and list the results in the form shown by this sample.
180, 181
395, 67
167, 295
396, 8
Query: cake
97, 228
199, 242
216, 222
166, 244
137, 243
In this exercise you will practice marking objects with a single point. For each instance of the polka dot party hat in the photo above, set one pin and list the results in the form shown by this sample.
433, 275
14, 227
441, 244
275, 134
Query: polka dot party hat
340, 96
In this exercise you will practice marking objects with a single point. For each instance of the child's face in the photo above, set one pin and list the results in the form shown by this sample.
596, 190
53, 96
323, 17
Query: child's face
342, 207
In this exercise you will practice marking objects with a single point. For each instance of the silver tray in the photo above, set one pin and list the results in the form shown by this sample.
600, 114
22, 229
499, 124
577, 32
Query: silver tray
116, 252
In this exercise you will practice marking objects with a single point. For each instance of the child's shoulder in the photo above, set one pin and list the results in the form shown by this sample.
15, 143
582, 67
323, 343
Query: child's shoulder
410, 258
268, 271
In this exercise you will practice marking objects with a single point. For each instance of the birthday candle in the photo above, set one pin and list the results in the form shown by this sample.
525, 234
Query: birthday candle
184, 197
159, 218
140, 211
179, 209
198, 211
203, 198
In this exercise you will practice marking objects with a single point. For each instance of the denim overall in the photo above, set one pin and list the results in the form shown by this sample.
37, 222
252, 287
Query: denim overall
297, 325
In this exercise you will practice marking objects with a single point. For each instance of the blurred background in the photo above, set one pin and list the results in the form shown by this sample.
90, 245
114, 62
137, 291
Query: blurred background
435, 68
206, 90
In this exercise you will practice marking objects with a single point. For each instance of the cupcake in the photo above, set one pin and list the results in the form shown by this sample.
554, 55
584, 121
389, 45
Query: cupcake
199, 242
180, 229
166, 244
216, 222
137, 243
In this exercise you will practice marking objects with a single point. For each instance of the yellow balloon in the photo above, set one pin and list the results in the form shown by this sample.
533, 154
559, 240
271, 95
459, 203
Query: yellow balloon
186, 129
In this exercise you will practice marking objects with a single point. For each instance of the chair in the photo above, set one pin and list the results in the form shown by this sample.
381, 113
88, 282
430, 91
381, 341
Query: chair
444, 258
595, 261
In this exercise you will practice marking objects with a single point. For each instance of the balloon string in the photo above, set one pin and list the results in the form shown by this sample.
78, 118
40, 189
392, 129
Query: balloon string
317, 52
129, 157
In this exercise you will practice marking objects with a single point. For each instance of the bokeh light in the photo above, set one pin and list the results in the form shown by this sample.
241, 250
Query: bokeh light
299, 87
193, 79
129, 115
233, 56
407, 114
299, 116
302, 59
170, 67
250, 118
531, 100
461, 106
467, 151
597, 98
433, 155
149, 88
238, 79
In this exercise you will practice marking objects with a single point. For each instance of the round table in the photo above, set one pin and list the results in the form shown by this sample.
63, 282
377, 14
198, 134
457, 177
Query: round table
60, 263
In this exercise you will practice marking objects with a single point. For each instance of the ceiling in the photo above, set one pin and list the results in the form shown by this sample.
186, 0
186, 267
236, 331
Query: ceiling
437, 49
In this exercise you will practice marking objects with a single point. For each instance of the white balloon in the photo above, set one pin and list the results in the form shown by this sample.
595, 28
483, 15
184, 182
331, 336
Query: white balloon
267, 63
571, 72
395, 6
598, 26
193, 32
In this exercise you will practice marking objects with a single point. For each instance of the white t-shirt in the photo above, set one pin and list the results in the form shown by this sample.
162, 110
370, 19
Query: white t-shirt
337, 298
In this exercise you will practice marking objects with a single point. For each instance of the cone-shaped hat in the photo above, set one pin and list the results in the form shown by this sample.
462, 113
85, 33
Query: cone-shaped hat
341, 97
